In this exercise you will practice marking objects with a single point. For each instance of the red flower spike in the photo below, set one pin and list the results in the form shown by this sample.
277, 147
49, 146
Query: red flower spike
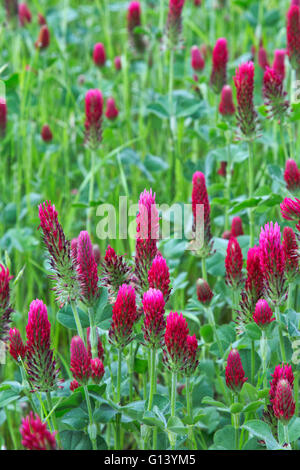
280, 372
24, 14
99, 54
97, 370
293, 36
234, 372
97, 253
292, 175
226, 107
41, 19
244, 83
35, 435
87, 269
290, 249
226, 235
200, 197
133, 21
197, 60
176, 353
218, 76
237, 227
46, 133
154, 322
290, 210
284, 404
111, 110
5, 307
80, 361
93, 117
262, 57
159, 276
99, 345
222, 171
278, 63
124, 317
193, 352
17, 348
263, 315
234, 263
118, 63
74, 385
115, 272
174, 21
254, 285
204, 292
43, 39
274, 95
3, 116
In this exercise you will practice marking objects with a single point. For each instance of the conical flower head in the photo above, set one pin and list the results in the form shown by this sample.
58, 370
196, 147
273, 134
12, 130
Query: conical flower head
24, 14
40, 363
292, 175
218, 76
93, 117
87, 269
80, 361
284, 404
234, 263
112, 111
176, 352
197, 60
244, 83
5, 307
262, 57
115, 272
237, 227
226, 107
97, 369
263, 315
290, 210
46, 133
174, 21
193, 353
35, 435
43, 39
278, 63
234, 372
133, 21
280, 372
293, 36
124, 317
274, 95
204, 292
154, 321
159, 276
17, 348
3, 116
201, 209
99, 54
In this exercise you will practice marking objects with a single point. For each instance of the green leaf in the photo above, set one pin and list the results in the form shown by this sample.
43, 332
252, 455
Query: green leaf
218, 404
261, 430
176, 425
249, 393
77, 419
66, 318
104, 413
140, 365
207, 333
155, 164
68, 403
225, 438
252, 406
151, 419
294, 429
134, 410
75, 440
236, 408
7, 396
253, 331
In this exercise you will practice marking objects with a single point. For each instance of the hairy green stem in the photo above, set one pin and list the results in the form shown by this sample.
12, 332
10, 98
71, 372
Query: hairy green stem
77, 320
281, 341
251, 191
118, 399
92, 426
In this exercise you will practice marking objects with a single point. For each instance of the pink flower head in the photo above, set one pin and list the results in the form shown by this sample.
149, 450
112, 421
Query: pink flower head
147, 233
278, 63
124, 317
100, 349
222, 170
272, 261
115, 272
3, 116
93, 117
134, 21
234, 372
226, 106
5, 307
74, 244
24, 14
97, 370
290, 210
99, 54
218, 76
174, 21
176, 352
97, 253
237, 227
280, 372
17, 348
204, 292
154, 322
197, 60
244, 83
118, 63
80, 361
35, 435
234, 263
254, 285
41, 19
46, 133
292, 175
284, 404
262, 57
43, 39
111, 109
290, 248
40, 363
226, 235
192, 355
200, 198
87, 269
293, 36
263, 315
74, 385
159, 276
274, 95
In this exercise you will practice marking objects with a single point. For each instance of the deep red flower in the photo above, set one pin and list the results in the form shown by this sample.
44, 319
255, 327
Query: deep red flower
3, 116
293, 36
280, 372
263, 315
41, 19
226, 107
80, 361
159, 276
218, 76
176, 352
292, 175
197, 3
124, 317
154, 322
35, 435
290, 210
278, 63
246, 114
43, 39
5, 307
87, 269
234, 263
284, 404
200, 198
192, 355
274, 95
118, 63
74, 385
222, 169
111, 110
97, 370
262, 57
234, 372
99, 54
226, 235
254, 285
17, 348
174, 21
24, 14
46, 133
93, 117
290, 248
115, 272
237, 227
197, 60
134, 21
204, 292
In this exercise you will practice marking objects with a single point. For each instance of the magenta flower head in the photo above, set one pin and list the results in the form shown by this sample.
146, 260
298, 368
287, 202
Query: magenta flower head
290, 248
262, 57
87, 269
284, 404
115, 272
293, 36
67, 286
292, 175
192, 355
254, 285
3, 116
99, 54
274, 95
200, 202
124, 317
280, 372
35, 435
147, 234
237, 227
222, 171
74, 385
80, 361
154, 322
111, 110
176, 352
24, 14
218, 76
234, 263
263, 315
226, 106
159, 276
174, 21
97, 369
197, 60
278, 63
46, 133
272, 262
118, 63
244, 83
17, 348
290, 210
43, 39
134, 21
5, 307
93, 117
40, 363
100, 349
41, 19
234, 372
204, 292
